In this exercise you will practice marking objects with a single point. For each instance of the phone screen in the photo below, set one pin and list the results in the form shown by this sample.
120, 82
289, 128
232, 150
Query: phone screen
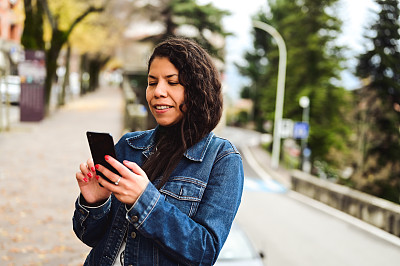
101, 144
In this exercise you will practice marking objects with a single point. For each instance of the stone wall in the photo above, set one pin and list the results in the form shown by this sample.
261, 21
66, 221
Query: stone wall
376, 211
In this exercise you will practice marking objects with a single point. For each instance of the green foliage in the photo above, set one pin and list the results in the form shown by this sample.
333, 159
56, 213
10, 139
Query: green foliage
325, 171
309, 29
205, 18
202, 23
379, 112
33, 36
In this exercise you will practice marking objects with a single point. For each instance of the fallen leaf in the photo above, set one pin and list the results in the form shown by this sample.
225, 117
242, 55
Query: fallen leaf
6, 258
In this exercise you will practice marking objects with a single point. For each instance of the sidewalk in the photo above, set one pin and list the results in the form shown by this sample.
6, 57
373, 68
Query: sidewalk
38, 162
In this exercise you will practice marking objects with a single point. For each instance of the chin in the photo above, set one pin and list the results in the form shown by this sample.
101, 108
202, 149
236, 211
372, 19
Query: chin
167, 123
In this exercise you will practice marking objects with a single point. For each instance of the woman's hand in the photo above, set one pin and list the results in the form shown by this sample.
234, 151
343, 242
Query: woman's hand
90, 189
127, 186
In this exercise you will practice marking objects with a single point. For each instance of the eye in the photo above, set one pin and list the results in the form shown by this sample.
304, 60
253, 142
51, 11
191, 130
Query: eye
152, 83
173, 83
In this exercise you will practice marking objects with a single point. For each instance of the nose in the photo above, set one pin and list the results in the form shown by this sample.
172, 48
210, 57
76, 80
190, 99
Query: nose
160, 90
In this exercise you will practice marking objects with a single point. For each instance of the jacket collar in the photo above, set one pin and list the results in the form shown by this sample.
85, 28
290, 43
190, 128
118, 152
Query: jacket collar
145, 141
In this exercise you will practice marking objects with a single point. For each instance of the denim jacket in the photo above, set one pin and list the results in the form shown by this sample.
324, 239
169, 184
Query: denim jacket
186, 222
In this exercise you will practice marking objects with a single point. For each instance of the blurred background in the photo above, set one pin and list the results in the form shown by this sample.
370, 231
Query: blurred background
312, 101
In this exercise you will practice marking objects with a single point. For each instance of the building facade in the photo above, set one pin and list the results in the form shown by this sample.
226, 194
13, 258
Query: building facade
11, 27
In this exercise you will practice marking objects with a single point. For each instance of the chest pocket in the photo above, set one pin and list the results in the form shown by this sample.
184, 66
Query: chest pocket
185, 193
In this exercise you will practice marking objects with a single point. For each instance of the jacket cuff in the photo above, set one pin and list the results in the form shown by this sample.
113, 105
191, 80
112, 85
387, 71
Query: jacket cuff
97, 212
139, 212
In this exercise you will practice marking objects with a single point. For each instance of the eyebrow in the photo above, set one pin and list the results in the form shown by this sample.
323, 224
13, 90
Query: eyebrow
168, 76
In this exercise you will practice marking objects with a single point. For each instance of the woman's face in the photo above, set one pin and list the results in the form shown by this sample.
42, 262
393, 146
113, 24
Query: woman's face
164, 93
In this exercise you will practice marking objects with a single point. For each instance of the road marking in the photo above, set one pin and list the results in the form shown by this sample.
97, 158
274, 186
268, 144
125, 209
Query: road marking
253, 163
256, 184
266, 183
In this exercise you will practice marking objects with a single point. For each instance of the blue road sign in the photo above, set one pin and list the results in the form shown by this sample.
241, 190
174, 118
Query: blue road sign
300, 130
306, 152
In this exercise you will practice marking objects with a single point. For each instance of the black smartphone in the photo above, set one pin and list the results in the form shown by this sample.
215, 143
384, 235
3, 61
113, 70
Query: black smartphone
101, 144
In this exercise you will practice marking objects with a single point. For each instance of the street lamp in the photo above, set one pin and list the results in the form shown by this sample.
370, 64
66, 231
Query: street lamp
280, 90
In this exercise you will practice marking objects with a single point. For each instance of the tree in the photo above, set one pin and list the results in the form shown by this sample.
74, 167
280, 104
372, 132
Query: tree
95, 39
32, 37
309, 28
58, 35
379, 164
203, 23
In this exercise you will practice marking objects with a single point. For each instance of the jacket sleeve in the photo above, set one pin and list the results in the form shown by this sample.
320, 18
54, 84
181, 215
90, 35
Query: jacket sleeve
193, 240
90, 223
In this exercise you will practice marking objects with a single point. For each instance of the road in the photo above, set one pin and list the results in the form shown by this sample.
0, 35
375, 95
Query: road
291, 231
37, 166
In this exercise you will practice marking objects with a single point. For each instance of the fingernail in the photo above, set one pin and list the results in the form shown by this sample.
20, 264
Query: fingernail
90, 175
85, 179
97, 166
107, 157
97, 177
93, 169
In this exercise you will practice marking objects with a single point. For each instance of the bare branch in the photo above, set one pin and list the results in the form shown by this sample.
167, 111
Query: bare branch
90, 9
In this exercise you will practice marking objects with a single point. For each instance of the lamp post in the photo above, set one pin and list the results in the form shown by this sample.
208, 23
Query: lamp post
280, 91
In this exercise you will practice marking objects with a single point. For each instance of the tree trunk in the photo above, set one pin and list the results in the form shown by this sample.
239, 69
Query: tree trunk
52, 54
65, 83
84, 74
32, 36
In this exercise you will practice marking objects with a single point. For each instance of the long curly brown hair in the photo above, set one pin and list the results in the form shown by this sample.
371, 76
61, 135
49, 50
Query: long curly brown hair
203, 105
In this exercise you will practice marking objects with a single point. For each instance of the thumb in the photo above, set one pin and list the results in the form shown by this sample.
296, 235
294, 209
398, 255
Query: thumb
135, 168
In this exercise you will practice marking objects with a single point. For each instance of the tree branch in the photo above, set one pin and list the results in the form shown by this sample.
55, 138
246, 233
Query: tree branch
52, 20
90, 9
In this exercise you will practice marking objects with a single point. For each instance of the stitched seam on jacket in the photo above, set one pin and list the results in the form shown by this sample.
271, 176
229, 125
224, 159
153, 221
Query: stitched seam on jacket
226, 154
145, 218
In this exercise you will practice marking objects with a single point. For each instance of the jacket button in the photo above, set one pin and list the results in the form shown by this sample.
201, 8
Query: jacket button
133, 235
134, 219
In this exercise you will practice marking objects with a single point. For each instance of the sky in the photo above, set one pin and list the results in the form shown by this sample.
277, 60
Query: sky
355, 15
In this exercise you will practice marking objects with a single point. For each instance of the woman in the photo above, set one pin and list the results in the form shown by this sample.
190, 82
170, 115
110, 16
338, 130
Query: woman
179, 186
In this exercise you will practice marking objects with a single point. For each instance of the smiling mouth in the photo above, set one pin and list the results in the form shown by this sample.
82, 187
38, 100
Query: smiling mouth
162, 107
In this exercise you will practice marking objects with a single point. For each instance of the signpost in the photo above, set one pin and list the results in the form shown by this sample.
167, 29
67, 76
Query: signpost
287, 128
303, 132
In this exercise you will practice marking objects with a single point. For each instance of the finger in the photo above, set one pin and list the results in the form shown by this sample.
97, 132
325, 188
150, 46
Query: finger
135, 168
81, 177
90, 164
107, 185
118, 166
84, 169
110, 175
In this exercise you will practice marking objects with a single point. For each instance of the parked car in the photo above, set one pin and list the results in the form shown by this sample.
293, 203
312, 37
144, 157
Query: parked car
239, 250
10, 85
